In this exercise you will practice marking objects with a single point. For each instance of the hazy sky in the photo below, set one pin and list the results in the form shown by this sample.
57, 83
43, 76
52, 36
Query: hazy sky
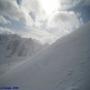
44, 20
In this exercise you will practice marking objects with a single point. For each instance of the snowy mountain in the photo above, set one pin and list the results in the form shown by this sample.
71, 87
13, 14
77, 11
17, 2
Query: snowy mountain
15, 45
14, 49
63, 66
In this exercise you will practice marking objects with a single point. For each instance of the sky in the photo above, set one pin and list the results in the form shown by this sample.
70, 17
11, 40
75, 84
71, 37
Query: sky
44, 20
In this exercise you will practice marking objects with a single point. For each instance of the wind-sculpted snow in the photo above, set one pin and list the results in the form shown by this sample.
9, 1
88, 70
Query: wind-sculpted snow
63, 66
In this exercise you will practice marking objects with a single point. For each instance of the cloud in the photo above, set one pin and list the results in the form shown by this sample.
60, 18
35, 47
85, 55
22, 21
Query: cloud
86, 2
31, 5
6, 30
35, 11
11, 9
19, 2
41, 35
66, 4
4, 21
63, 22
81, 6
28, 16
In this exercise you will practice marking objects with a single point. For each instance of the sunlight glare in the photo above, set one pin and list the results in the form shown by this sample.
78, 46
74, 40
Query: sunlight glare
50, 6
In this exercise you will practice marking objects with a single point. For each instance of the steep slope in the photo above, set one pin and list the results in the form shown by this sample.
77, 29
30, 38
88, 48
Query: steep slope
63, 66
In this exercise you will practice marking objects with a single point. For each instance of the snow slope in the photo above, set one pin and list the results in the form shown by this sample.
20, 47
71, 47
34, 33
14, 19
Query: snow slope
63, 66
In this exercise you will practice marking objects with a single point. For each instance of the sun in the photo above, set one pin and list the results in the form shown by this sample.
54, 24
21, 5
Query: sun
49, 6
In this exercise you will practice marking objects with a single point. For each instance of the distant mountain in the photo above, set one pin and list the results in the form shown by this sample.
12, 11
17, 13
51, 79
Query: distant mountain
14, 49
14, 45
65, 65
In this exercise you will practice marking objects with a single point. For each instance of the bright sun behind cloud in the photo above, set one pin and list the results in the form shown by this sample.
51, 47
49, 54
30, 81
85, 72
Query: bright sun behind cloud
44, 20
50, 6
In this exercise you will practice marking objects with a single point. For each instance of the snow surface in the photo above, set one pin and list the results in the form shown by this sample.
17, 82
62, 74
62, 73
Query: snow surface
63, 66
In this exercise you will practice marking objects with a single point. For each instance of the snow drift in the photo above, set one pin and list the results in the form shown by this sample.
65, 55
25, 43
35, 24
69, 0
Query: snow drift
63, 66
